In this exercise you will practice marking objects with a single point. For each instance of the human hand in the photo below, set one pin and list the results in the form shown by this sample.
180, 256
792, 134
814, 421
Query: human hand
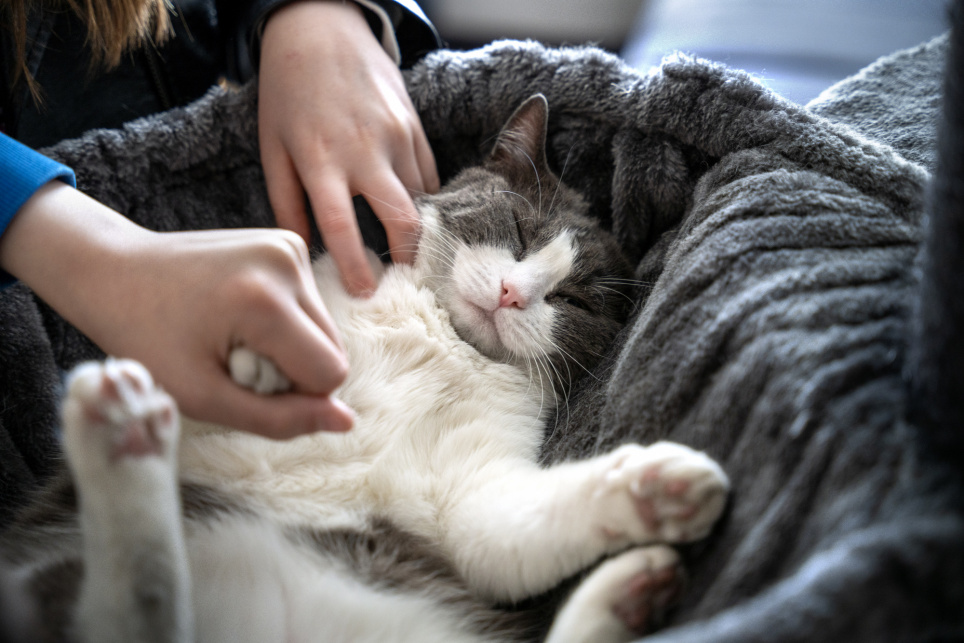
335, 120
179, 302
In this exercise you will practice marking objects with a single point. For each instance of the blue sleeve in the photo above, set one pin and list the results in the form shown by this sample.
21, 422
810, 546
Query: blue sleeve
22, 172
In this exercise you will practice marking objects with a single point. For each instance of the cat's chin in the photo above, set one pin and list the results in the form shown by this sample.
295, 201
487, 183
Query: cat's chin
494, 333
476, 326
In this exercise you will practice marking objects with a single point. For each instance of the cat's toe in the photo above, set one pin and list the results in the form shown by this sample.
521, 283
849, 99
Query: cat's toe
256, 372
625, 597
647, 583
677, 493
113, 411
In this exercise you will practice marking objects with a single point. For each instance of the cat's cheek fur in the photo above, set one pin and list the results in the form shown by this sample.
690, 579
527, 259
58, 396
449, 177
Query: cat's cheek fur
472, 295
479, 277
527, 334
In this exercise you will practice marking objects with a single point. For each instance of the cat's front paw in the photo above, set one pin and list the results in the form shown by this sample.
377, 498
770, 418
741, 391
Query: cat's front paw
624, 598
256, 372
676, 494
113, 411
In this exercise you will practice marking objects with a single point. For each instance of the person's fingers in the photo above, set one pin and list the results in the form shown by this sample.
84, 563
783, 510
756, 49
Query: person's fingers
394, 208
312, 305
283, 316
335, 216
424, 157
280, 417
426, 161
285, 192
308, 296
307, 356
406, 169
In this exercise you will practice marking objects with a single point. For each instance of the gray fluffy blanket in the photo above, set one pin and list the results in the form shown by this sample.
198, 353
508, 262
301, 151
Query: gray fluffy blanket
777, 246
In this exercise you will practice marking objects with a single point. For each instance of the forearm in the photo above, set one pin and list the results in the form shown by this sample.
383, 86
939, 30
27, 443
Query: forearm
22, 172
179, 301
67, 247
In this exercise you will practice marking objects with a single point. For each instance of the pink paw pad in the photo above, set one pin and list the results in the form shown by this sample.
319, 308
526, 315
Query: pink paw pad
122, 409
677, 493
647, 596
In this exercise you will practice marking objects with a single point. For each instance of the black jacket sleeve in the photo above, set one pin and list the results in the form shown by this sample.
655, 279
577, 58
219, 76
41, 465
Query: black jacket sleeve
242, 22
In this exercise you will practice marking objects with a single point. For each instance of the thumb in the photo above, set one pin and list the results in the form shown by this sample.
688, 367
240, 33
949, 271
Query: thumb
280, 417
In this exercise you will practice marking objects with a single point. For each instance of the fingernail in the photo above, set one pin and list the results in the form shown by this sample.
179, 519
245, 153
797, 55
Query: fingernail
340, 420
404, 256
361, 290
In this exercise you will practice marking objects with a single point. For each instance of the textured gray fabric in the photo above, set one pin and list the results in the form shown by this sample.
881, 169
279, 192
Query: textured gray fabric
895, 101
777, 250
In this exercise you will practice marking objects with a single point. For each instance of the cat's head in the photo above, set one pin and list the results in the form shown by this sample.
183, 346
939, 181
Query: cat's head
526, 276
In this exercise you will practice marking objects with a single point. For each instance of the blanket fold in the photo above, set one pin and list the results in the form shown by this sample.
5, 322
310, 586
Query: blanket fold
775, 250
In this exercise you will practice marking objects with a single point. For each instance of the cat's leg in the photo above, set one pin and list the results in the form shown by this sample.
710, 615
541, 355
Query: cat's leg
622, 599
515, 530
256, 582
120, 438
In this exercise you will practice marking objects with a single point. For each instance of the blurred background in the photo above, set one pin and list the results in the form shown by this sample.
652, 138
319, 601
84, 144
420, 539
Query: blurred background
796, 47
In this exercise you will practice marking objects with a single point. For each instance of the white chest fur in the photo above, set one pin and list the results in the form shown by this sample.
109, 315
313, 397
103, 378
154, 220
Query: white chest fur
426, 403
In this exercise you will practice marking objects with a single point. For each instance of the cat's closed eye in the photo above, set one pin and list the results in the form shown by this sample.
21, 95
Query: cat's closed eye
575, 301
523, 245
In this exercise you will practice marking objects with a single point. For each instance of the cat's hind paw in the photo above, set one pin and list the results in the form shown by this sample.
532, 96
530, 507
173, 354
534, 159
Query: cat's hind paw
120, 438
676, 493
624, 598
114, 411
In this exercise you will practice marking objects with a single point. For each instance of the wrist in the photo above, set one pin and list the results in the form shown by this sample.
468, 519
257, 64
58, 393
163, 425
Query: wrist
71, 250
316, 16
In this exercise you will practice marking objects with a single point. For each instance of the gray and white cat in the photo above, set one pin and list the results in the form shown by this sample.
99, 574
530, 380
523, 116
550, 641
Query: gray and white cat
425, 517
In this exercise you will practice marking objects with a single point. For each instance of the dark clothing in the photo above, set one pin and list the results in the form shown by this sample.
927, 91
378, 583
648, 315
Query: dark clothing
213, 39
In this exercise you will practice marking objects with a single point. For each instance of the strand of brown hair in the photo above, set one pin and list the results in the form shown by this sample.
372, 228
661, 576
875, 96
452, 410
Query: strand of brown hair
113, 27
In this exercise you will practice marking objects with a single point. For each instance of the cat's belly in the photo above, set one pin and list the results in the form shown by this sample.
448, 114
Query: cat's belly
430, 411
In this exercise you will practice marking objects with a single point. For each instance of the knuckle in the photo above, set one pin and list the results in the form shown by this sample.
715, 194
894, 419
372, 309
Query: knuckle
281, 253
389, 128
399, 131
257, 295
294, 246
192, 401
338, 372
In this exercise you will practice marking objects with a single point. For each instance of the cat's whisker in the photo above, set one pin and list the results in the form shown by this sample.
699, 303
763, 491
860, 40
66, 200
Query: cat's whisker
535, 170
370, 198
537, 364
555, 393
562, 351
440, 258
527, 202
548, 362
559, 185
632, 301
544, 367
626, 282
542, 391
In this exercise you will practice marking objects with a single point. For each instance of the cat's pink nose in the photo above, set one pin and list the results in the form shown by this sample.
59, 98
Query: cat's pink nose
511, 297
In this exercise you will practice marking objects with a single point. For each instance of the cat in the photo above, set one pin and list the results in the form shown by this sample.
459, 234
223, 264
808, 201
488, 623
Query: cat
427, 518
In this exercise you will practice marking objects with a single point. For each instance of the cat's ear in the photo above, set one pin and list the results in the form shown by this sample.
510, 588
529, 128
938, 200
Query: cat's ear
522, 142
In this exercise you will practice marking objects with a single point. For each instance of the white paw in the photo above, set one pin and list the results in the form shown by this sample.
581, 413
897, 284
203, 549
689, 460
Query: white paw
256, 372
676, 494
120, 438
113, 411
622, 599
